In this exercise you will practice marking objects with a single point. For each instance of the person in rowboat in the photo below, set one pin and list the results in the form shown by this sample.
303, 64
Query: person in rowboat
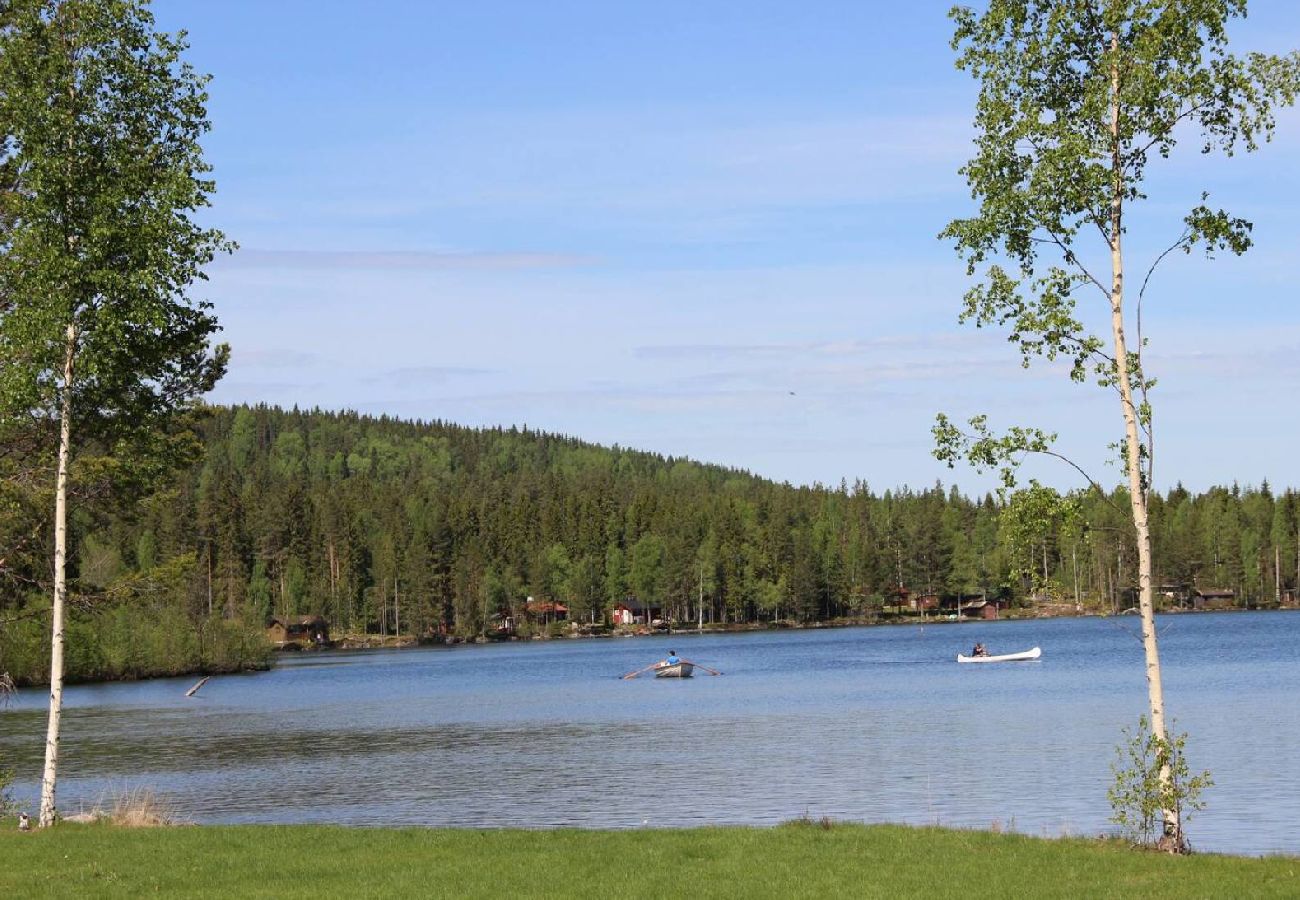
980, 650
672, 660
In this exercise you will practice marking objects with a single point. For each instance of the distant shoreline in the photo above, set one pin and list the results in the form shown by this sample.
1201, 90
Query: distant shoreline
376, 642
350, 643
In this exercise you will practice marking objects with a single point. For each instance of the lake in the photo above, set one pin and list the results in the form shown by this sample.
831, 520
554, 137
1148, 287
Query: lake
864, 724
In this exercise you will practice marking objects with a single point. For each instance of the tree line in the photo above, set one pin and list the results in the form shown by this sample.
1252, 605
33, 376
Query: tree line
428, 528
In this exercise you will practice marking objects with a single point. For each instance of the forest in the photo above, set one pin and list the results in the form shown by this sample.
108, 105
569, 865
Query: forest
434, 529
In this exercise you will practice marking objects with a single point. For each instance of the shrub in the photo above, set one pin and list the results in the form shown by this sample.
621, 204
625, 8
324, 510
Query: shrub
7, 805
1138, 796
142, 808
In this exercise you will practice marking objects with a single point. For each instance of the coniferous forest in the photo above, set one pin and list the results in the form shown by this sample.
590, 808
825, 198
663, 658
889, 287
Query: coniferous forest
433, 529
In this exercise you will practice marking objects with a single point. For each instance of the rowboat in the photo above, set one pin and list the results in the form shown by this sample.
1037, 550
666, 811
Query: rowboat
1005, 657
676, 670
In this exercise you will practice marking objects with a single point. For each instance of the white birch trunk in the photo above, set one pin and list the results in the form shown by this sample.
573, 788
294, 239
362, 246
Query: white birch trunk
1277, 575
50, 776
1173, 834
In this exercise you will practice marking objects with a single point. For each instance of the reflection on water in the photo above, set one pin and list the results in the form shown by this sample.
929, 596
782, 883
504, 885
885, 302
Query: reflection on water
863, 724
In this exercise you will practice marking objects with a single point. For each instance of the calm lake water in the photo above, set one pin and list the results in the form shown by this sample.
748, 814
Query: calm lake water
865, 724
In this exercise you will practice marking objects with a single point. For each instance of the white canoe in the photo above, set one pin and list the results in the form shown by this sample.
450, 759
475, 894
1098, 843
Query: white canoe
1005, 657
678, 670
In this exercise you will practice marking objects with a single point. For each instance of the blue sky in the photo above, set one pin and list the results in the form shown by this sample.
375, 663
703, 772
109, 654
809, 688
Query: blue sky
701, 228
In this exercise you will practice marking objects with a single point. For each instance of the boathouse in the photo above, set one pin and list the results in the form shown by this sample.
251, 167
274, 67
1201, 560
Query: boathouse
1214, 598
285, 630
981, 609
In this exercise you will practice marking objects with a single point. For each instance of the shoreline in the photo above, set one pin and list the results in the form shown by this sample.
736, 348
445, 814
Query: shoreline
352, 643
375, 642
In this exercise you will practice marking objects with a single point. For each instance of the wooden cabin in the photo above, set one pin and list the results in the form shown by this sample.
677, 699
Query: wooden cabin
302, 630
546, 610
923, 602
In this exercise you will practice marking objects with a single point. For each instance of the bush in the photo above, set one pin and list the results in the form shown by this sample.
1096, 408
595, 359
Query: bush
133, 640
1138, 796
142, 808
7, 805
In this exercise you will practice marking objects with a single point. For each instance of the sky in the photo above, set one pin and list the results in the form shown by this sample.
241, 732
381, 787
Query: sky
705, 229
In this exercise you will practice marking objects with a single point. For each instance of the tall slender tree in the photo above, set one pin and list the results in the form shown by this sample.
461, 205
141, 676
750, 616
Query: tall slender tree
100, 246
1077, 98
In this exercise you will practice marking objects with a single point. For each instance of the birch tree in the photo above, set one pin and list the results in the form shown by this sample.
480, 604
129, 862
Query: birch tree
1077, 98
99, 247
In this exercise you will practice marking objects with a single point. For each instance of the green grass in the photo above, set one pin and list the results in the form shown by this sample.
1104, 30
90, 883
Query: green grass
797, 860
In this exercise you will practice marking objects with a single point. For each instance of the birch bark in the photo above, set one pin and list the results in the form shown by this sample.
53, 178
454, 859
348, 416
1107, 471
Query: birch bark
50, 776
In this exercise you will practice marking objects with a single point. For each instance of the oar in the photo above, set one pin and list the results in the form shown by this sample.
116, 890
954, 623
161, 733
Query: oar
639, 671
705, 668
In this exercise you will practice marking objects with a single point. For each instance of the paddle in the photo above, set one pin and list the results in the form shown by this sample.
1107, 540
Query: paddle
705, 668
639, 671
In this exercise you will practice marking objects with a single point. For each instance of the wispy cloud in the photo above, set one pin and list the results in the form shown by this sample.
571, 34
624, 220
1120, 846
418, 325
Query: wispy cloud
277, 358
394, 260
427, 374
919, 343
241, 391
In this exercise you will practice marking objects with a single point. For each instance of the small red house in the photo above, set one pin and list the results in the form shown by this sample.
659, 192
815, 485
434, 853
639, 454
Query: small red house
924, 602
633, 612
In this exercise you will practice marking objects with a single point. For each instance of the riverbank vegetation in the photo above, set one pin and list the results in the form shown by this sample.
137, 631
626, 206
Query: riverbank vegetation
804, 859
433, 528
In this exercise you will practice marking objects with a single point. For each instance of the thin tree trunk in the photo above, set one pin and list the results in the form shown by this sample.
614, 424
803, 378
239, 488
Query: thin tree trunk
1074, 558
50, 777
209, 578
334, 584
1173, 834
1277, 575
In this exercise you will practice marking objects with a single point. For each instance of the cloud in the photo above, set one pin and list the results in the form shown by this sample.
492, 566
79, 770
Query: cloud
918, 343
394, 260
237, 391
277, 358
426, 374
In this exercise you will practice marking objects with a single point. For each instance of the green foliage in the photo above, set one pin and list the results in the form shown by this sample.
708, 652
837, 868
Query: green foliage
646, 574
7, 805
139, 626
1075, 103
102, 120
1139, 794
1033, 517
126, 640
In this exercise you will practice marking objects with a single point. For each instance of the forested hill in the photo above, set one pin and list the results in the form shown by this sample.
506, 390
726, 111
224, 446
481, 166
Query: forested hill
370, 520
379, 524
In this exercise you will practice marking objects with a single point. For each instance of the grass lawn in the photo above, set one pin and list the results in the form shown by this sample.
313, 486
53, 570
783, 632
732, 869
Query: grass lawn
796, 860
